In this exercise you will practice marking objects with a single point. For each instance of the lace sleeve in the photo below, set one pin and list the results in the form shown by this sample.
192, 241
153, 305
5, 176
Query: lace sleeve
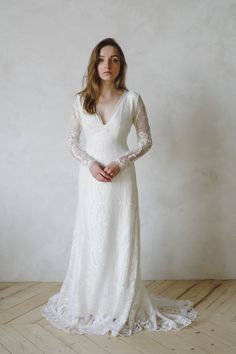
143, 133
74, 138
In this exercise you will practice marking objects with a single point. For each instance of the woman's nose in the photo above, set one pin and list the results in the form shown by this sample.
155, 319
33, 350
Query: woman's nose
108, 64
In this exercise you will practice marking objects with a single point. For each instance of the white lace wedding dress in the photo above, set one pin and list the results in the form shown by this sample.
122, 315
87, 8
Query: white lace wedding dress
103, 292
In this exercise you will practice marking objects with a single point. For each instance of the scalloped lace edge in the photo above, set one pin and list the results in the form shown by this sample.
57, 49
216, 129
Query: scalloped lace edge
185, 316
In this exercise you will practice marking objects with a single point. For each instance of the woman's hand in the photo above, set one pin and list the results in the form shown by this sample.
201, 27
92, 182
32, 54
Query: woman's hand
98, 172
112, 169
104, 174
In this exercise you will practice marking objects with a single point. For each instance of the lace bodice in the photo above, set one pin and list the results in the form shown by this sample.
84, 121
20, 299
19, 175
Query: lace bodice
143, 133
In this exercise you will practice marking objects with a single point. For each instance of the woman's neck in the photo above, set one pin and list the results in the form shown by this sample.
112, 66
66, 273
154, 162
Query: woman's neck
108, 90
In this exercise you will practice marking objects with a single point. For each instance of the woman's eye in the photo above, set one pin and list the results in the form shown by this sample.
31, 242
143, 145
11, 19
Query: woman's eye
115, 60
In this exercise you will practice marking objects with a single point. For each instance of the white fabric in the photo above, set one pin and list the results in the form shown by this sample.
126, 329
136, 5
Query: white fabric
103, 291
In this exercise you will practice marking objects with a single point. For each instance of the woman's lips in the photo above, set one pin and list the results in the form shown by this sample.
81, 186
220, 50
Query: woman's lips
107, 72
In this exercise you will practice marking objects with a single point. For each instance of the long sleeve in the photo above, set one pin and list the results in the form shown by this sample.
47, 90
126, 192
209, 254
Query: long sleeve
143, 133
74, 138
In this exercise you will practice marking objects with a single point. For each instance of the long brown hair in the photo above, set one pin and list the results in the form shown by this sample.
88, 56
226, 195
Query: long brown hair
92, 90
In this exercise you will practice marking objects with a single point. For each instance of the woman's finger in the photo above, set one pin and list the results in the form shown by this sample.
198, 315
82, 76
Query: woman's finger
104, 174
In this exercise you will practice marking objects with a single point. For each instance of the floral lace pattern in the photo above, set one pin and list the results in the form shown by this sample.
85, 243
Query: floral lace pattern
158, 314
102, 291
144, 138
74, 138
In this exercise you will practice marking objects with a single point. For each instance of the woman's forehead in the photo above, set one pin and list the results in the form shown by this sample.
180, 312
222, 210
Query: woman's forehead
109, 50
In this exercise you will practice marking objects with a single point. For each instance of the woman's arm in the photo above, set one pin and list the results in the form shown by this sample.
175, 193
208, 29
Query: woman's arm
74, 138
143, 132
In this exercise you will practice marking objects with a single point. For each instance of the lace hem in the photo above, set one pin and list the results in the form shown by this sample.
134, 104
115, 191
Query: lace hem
166, 318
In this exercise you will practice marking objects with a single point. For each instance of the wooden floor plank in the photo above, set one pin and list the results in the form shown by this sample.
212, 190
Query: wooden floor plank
3, 350
216, 331
225, 303
42, 339
79, 343
146, 344
172, 342
25, 306
202, 341
216, 292
114, 344
5, 285
25, 293
32, 316
178, 288
14, 288
200, 290
16, 343
210, 317
158, 287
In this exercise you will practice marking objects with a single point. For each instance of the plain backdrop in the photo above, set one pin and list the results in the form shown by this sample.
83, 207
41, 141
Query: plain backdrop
181, 59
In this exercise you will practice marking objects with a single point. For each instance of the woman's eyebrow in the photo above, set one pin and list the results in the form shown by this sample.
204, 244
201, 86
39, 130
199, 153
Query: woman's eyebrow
115, 55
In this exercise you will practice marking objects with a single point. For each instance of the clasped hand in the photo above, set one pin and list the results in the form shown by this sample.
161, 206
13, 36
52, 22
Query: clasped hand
104, 174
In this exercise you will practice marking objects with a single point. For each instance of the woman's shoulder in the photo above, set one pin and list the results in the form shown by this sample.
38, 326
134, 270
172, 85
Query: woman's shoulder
133, 95
78, 99
77, 96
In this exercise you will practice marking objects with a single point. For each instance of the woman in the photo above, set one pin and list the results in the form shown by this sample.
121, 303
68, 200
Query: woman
103, 292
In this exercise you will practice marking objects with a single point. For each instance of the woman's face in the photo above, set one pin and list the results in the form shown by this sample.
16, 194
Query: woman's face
109, 63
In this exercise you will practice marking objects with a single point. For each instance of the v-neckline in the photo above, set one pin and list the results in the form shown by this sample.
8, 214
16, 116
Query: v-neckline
113, 110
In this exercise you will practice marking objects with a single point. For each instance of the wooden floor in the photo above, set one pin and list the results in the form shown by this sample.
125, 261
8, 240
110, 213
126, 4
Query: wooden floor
24, 330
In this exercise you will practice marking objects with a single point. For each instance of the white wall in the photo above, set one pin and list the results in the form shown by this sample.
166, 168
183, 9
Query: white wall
181, 58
